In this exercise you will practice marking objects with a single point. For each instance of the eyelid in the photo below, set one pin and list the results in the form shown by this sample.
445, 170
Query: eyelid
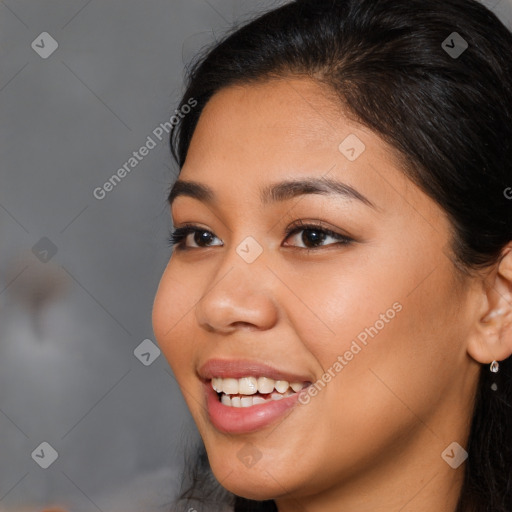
317, 224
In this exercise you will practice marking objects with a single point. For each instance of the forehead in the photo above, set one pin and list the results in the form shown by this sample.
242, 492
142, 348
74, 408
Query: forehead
286, 114
284, 127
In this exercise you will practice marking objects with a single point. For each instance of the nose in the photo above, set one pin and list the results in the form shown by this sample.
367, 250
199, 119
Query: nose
239, 296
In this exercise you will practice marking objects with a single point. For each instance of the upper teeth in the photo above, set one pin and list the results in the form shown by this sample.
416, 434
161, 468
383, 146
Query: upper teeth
252, 385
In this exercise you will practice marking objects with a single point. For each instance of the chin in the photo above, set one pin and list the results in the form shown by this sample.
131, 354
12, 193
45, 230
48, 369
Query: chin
252, 479
252, 484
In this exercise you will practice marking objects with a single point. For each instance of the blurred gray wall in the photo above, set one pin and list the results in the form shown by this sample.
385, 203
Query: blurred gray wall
78, 274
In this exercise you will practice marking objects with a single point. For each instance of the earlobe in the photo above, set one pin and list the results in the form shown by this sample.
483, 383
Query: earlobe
491, 338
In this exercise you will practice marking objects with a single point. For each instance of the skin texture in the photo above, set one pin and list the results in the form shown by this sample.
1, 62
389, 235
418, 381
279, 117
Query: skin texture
372, 439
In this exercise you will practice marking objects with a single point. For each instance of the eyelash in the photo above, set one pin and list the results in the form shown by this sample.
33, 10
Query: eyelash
179, 235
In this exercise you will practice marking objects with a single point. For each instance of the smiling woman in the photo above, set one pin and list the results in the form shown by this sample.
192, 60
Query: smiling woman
337, 309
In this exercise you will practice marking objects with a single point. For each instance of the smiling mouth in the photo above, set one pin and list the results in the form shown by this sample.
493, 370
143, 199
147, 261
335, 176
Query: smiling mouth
250, 391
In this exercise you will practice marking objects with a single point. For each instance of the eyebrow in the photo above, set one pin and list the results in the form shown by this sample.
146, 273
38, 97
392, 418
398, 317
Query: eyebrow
281, 191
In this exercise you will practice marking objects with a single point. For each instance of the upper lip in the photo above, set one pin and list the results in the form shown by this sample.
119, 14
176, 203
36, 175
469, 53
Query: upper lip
238, 368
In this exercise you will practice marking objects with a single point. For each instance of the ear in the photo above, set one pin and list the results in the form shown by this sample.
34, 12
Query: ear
491, 336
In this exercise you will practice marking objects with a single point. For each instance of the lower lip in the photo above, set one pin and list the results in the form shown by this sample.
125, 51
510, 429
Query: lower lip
240, 420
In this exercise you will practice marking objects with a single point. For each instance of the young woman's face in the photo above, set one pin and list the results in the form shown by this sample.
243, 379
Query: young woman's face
370, 319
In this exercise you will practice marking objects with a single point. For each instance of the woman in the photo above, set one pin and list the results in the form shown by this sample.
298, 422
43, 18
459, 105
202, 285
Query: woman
337, 309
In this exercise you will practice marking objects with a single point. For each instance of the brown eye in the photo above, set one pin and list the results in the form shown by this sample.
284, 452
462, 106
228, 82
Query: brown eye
314, 236
201, 237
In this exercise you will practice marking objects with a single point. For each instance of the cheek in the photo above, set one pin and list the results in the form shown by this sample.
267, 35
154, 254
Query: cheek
173, 311
385, 342
335, 308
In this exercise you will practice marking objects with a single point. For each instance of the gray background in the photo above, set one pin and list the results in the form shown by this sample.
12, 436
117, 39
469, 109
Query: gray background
69, 326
